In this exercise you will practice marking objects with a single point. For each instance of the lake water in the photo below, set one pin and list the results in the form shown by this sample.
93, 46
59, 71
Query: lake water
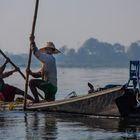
45, 126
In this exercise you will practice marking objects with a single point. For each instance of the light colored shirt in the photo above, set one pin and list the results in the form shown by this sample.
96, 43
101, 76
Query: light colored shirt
49, 71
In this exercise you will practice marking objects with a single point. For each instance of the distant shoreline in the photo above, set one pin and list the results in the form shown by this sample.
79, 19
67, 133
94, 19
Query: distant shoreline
105, 66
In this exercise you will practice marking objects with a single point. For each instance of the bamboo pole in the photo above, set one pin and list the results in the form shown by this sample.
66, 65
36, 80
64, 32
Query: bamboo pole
12, 64
30, 53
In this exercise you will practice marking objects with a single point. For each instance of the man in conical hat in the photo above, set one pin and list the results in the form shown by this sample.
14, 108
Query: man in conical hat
48, 73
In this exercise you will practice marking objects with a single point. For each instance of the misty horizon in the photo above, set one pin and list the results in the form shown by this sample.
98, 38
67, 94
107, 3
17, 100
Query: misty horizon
68, 23
92, 53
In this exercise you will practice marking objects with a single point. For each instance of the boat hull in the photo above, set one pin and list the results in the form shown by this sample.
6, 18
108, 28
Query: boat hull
99, 103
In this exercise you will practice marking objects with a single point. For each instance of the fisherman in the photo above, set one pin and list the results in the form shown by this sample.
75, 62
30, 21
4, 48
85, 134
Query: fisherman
48, 83
8, 92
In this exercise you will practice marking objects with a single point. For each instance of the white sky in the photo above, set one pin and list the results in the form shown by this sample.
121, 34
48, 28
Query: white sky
68, 22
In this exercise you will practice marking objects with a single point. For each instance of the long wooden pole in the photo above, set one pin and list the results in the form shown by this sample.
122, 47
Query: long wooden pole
30, 53
12, 64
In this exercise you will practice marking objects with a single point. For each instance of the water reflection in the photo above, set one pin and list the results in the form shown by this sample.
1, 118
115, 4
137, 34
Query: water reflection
103, 128
40, 126
48, 126
131, 128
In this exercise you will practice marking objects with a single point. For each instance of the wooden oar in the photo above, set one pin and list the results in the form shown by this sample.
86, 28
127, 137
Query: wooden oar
12, 64
30, 53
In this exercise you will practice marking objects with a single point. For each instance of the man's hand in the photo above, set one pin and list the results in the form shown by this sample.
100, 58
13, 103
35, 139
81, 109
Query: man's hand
7, 60
32, 39
17, 69
29, 71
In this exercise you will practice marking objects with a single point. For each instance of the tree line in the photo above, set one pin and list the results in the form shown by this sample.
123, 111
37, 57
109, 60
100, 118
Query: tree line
92, 53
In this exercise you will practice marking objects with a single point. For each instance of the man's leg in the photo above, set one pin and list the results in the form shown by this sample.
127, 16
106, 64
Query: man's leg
34, 84
21, 92
49, 90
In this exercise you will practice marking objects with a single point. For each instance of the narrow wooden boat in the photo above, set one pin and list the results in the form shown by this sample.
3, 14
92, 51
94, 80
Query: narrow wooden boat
98, 103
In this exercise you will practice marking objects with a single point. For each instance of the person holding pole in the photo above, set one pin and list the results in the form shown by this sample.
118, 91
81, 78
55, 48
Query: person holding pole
8, 92
48, 72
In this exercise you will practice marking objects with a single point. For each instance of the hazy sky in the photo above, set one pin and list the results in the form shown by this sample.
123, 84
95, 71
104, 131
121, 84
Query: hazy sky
68, 22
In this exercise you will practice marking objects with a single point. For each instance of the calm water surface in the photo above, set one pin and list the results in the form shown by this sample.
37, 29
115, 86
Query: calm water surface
45, 126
